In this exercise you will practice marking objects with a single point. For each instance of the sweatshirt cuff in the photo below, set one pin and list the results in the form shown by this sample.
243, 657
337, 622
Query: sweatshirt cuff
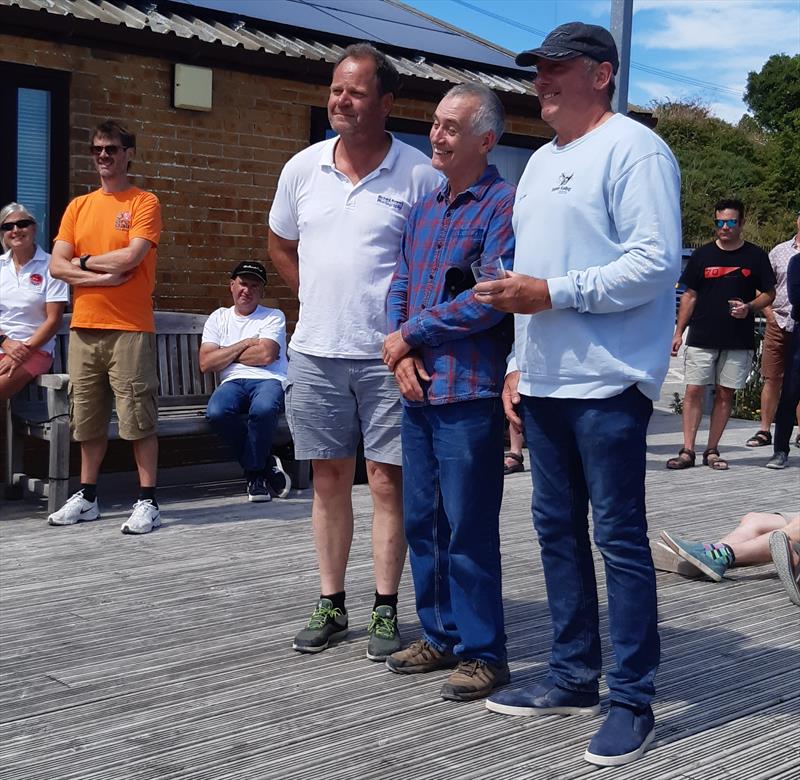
562, 292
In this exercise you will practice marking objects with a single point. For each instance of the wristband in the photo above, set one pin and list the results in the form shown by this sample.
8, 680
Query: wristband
84, 258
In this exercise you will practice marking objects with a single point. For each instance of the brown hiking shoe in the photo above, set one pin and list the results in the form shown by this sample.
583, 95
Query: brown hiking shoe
420, 657
474, 679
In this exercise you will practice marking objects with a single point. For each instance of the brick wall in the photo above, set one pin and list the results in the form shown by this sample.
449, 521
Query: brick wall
215, 173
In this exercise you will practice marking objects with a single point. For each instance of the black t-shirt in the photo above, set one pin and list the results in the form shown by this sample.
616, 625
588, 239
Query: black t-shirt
718, 276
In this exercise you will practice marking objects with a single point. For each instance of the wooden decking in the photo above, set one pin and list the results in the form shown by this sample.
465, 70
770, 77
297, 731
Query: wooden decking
168, 656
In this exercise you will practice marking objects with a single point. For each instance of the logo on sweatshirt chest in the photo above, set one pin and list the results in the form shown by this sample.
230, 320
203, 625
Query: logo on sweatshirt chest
563, 183
123, 221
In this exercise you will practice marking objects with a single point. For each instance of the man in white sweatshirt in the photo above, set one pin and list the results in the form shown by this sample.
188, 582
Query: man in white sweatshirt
597, 225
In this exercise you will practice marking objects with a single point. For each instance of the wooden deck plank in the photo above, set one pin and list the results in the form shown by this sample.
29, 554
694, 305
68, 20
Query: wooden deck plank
168, 656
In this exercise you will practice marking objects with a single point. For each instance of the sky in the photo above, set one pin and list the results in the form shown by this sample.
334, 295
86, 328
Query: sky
680, 49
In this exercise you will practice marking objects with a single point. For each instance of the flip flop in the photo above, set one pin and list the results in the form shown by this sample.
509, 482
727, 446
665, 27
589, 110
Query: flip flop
780, 547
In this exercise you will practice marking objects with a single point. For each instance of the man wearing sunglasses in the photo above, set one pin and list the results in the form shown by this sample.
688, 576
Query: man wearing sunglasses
727, 281
106, 249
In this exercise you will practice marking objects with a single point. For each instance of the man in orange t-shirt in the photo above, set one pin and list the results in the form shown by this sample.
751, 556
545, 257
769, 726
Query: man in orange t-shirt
106, 249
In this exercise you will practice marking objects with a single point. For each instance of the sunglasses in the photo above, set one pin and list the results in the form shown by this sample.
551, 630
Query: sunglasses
726, 222
20, 223
109, 149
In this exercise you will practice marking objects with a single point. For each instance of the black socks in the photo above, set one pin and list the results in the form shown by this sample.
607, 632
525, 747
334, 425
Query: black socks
89, 492
146, 493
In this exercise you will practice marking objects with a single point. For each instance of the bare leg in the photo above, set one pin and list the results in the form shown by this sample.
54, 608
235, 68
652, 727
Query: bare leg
92, 453
720, 414
388, 536
770, 393
145, 452
332, 519
11, 385
750, 540
692, 413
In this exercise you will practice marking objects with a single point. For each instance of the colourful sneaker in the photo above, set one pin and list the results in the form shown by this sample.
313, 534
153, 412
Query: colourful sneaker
544, 698
384, 636
75, 510
623, 737
474, 679
327, 623
711, 559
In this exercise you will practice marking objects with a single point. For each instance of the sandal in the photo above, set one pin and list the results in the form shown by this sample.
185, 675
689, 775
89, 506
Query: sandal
680, 462
712, 459
759, 439
514, 468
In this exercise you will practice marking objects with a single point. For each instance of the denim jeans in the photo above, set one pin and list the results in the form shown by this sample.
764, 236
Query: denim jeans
452, 491
262, 401
790, 393
582, 451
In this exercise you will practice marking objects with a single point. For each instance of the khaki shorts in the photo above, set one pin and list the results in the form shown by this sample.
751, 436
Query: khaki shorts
112, 365
776, 347
725, 367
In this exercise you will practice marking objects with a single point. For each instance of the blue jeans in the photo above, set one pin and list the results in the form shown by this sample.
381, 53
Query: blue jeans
582, 451
452, 491
262, 401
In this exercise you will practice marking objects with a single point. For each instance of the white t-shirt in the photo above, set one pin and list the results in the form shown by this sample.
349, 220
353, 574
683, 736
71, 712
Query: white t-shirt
349, 238
224, 327
23, 296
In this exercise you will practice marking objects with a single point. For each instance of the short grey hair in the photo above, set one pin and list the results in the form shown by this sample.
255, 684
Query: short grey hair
7, 211
490, 114
591, 66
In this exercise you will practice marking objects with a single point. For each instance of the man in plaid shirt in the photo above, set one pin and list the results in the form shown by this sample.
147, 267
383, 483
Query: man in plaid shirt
447, 352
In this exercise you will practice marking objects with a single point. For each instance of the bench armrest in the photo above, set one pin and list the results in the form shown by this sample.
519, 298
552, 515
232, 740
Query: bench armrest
54, 381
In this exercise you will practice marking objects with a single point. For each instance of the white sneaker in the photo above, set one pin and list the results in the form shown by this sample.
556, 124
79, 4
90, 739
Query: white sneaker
144, 518
77, 508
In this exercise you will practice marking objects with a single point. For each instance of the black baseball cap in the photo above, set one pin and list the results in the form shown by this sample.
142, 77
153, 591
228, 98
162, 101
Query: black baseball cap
574, 39
250, 268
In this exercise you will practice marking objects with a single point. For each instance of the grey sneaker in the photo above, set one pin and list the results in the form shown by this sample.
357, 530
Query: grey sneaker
257, 490
384, 636
778, 460
420, 657
145, 517
327, 623
76, 509
474, 679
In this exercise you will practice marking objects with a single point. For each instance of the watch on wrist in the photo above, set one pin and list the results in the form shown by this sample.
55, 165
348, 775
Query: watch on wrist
83, 260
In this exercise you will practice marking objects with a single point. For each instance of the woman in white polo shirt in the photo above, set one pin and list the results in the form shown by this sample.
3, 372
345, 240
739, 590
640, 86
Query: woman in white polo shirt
32, 303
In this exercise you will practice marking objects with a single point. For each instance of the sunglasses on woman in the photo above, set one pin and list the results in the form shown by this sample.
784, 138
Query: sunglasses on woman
20, 223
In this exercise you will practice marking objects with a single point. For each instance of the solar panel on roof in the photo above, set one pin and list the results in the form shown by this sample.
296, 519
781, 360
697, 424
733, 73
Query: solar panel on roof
371, 20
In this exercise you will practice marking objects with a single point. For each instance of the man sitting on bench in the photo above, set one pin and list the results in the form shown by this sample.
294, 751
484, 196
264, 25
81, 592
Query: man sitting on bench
246, 345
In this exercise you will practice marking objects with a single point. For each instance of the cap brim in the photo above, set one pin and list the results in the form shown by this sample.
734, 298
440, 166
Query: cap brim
532, 56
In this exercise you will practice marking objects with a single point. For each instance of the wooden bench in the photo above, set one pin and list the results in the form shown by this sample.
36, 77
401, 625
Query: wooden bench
41, 410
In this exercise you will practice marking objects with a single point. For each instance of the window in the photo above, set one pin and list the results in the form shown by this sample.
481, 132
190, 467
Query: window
35, 131
510, 156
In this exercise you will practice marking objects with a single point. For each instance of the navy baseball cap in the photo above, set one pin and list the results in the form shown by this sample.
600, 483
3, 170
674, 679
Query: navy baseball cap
250, 268
574, 39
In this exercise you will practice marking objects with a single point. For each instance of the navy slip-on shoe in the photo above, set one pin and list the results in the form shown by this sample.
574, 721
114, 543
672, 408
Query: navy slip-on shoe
544, 698
623, 737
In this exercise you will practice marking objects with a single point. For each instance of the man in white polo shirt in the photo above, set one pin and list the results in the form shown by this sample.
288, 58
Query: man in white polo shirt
245, 344
335, 229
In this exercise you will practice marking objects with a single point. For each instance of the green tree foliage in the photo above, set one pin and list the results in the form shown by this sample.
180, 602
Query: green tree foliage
773, 94
721, 160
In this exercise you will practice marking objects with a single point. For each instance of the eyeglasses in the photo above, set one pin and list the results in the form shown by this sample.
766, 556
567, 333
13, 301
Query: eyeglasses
20, 223
726, 222
109, 149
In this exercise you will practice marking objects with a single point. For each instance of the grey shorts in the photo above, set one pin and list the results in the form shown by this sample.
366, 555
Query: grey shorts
332, 402
724, 367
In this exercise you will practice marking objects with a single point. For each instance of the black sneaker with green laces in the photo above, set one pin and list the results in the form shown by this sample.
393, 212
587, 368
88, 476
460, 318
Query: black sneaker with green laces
327, 624
384, 636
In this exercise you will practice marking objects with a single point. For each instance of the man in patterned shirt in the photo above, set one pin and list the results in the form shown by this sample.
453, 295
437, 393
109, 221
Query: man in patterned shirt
447, 352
